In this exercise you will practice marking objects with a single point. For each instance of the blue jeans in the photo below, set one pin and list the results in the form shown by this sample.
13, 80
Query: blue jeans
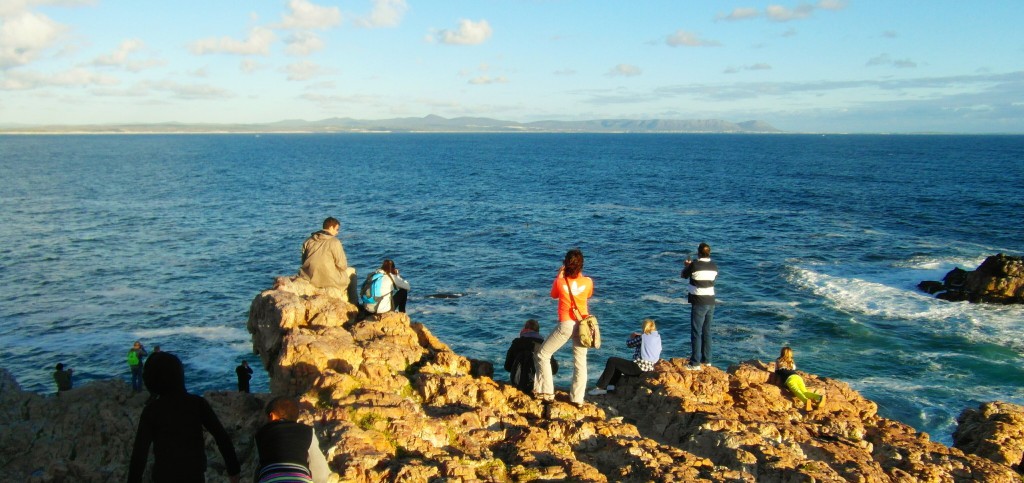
136, 377
701, 316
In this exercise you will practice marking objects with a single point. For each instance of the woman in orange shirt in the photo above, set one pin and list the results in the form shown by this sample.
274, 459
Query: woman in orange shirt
570, 282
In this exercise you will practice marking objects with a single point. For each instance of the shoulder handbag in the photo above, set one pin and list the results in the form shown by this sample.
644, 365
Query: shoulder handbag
589, 331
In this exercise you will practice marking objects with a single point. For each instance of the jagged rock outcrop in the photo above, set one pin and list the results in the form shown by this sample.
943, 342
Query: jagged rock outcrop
995, 431
392, 403
999, 279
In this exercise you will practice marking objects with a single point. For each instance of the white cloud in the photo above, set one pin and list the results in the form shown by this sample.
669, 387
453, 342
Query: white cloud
386, 13
832, 4
77, 77
688, 39
258, 43
305, 70
484, 80
187, 91
565, 72
886, 60
303, 43
624, 70
307, 15
249, 66
468, 33
120, 57
11, 7
779, 13
24, 36
741, 13
758, 66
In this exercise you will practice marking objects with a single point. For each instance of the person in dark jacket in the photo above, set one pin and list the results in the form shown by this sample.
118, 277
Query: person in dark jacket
172, 423
244, 373
62, 377
519, 357
288, 450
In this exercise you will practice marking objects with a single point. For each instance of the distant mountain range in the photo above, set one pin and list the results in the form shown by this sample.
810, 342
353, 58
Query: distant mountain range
420, 124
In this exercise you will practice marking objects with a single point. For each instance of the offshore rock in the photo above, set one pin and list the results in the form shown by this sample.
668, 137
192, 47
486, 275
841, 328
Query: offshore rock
999, 279
995, 431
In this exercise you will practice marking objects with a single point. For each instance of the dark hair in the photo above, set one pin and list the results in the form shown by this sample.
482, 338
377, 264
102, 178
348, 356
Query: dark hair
60, 366
388, 266
284, 408
704, 250
163, 374
331, 222
573, 263
532, 324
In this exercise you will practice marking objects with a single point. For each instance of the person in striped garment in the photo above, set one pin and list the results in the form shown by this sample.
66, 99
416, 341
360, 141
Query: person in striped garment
289, 451
702, 274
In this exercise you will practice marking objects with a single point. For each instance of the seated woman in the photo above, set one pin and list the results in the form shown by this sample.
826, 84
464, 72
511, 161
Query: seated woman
393, 290
785, 370
647, 352
519, 358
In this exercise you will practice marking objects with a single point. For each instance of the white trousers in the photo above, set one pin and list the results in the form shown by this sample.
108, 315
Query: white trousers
544, 382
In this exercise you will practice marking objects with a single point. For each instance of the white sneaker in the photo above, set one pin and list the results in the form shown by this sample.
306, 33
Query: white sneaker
597, 392
693, 368
611, 387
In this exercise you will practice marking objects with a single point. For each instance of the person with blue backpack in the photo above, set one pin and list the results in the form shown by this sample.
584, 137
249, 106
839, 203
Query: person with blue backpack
381, 289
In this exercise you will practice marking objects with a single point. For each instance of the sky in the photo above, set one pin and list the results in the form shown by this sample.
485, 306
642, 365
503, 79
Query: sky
898, 66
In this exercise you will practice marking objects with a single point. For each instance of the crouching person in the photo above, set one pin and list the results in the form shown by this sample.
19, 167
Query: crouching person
288, 450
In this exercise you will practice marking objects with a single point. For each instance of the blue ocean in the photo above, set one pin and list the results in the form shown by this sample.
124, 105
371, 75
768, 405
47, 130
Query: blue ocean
820, 242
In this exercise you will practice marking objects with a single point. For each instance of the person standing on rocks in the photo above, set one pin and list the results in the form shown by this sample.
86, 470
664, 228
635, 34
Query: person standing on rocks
569, 286
136, 357
702, 274
62, 377
172, 423
244, 373
288, 450
323, 260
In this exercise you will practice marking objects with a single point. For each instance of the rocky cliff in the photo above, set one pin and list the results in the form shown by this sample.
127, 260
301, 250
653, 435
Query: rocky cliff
391, 402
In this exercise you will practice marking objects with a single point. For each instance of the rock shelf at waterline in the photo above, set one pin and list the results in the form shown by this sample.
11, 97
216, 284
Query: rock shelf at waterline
391, 402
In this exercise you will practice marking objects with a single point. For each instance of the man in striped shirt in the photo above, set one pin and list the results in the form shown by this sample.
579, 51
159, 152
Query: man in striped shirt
702, 274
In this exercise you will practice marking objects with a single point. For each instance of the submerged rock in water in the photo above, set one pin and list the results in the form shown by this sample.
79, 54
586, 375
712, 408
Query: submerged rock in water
999, 279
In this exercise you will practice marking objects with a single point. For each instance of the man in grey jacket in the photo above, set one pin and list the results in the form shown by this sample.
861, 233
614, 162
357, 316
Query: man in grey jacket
323, 260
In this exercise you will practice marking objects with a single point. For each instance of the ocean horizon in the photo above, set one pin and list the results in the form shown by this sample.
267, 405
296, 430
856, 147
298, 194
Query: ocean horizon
820, 241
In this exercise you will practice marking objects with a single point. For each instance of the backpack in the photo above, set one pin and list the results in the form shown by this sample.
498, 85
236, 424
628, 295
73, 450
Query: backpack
133, 358
372, 291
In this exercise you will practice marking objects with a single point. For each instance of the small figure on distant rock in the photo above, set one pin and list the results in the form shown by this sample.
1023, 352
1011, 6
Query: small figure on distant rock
136, 359
62, 377
572, 289
785, 370
519, 357
288, 450
702, 274
646, 353
323, 259
172, 423
244, 373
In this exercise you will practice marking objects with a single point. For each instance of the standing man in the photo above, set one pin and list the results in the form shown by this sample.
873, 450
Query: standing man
244, 373
702, 274
62, 377
136, 356
323, 260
